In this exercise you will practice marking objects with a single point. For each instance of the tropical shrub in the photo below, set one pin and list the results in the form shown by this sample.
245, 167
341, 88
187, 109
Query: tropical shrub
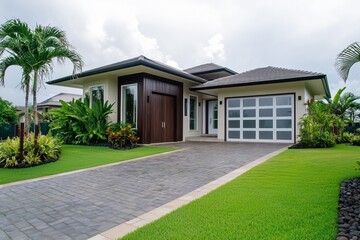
78, 123
7, 112
319, 127
122, 136
346, 137
355, 140
48, 150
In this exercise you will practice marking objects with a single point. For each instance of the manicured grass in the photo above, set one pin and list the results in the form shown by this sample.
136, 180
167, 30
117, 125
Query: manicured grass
78, 157
292, 196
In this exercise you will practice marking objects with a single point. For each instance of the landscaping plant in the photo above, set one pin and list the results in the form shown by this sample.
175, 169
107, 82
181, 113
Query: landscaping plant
78, 123
319, 127
122, 136
48, 150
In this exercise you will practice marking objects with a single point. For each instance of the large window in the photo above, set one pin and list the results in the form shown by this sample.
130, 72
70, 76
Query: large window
193, 113
129, 104
96, 93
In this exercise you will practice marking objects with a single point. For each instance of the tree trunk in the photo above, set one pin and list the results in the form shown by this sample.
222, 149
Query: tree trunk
27, 115
36, 121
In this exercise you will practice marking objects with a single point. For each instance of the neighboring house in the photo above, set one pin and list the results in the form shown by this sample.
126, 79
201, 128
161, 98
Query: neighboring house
167, 104
54, 102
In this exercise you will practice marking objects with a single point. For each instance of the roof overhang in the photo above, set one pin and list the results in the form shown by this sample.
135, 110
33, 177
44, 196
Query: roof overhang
127, 67
317, 85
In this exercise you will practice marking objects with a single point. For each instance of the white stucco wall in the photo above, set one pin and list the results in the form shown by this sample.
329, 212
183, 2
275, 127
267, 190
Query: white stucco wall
110, 92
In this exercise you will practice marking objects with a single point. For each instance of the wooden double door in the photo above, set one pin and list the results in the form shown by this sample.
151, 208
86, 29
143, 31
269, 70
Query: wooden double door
163, 118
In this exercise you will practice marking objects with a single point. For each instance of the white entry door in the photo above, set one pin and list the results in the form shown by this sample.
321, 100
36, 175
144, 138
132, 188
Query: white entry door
213, 117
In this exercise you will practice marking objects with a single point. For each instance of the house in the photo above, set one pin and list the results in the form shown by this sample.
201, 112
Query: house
167, 104
54, 101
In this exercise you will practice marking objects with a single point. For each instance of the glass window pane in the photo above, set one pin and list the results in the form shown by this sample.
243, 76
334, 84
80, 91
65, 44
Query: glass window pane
265, 112
97, 93
249, 113
234, 123
249, 123
283, 135
283, 123
265, 135
265, 123
129, 104
234, 134
249, 102
266, 101
234, 102
234, 113
283, 112
193, 113
215, 126
249, 134
283, 100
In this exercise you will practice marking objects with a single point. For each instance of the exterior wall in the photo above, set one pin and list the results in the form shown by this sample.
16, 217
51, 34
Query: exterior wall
297, 88
110, 92
186, 130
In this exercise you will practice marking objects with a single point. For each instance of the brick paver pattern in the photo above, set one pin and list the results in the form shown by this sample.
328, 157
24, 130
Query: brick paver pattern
81, 205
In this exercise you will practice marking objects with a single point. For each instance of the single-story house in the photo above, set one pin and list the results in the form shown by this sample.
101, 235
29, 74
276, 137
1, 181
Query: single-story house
167, 104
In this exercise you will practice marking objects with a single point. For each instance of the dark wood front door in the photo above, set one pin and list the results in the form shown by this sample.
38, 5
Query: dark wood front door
163, 121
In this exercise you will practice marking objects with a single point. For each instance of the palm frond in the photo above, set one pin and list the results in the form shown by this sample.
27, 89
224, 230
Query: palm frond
346, 59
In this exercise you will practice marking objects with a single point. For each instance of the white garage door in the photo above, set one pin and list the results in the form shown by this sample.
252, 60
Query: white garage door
260, 119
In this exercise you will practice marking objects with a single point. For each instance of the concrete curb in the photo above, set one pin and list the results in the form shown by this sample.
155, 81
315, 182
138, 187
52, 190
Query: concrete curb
131, 225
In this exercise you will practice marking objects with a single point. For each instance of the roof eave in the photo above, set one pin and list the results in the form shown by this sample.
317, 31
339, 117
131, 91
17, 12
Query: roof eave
137, 62
322, 77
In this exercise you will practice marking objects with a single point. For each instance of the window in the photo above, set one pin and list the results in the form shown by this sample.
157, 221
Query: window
96, 93
129, 97
193, 113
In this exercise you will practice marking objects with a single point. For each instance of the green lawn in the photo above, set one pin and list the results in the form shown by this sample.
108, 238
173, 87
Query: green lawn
78, 157
292, 196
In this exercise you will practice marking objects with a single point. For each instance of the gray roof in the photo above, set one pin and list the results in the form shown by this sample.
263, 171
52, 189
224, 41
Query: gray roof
263, 76
55, 100
137, 61
208, 68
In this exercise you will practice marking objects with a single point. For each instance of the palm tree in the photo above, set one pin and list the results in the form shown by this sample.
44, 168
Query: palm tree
46, 44
342, 105
34, 51
13, 35
346, 59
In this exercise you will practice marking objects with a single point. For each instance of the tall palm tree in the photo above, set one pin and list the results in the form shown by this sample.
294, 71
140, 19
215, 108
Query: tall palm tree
34, 51
47, 44
346, 59
13, 48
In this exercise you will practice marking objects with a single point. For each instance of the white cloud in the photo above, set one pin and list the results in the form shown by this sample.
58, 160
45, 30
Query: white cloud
216, 47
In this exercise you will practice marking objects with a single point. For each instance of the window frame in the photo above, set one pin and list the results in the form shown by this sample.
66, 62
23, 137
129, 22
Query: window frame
91, 91
195, 112
122, 102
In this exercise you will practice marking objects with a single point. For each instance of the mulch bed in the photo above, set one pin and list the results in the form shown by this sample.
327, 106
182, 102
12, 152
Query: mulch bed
349, 210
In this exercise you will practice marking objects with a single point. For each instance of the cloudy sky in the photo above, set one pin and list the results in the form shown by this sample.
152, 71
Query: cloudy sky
241, 35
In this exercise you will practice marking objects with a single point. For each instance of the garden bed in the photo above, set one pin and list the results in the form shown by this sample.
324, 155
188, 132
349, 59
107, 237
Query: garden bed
349, 210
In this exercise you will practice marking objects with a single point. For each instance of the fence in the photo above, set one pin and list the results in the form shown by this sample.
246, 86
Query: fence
9, 130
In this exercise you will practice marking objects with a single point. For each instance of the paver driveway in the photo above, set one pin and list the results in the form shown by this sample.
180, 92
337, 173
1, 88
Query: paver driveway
81, 205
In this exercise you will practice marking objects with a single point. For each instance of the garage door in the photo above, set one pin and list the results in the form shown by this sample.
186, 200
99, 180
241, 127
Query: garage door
261, 119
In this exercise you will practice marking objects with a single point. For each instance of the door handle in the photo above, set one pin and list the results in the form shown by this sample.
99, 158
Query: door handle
164, 124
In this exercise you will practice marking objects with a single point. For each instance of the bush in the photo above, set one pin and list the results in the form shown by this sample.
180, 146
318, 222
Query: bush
122, 136
345, 137
48, 150
319, 127
78, 123
355, 140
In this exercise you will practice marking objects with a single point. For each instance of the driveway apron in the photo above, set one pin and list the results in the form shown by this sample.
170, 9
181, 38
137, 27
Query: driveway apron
83, 204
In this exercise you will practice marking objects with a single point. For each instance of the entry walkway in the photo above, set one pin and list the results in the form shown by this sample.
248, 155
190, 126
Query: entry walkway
84, 204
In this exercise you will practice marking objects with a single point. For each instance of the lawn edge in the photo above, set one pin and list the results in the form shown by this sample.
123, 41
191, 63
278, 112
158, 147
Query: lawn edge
155, 214
84, 169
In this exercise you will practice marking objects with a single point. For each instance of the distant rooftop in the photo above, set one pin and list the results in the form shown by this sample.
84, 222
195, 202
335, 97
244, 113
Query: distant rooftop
208, 68
55, 100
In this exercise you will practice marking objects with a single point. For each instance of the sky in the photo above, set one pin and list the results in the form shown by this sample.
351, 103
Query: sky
238, 34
